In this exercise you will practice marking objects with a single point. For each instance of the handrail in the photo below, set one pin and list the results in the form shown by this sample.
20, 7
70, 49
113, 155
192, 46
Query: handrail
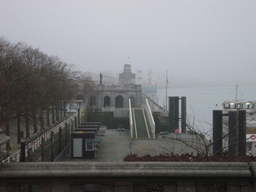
151, 119
130, 118
146, 123
37, 141
13, 158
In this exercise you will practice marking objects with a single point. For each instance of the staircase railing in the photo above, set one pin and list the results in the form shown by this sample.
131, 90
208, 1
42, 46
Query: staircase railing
150, 118
130, 118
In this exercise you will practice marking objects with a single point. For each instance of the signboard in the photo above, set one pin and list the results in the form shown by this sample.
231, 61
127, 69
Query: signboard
71, 107
250, 137
177, 131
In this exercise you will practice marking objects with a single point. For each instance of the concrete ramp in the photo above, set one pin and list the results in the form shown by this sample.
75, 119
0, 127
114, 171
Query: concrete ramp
140, 128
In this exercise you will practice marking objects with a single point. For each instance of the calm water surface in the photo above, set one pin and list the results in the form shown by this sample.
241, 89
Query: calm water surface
201, 101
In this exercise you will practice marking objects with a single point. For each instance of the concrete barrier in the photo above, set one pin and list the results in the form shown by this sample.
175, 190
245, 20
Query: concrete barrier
129, 176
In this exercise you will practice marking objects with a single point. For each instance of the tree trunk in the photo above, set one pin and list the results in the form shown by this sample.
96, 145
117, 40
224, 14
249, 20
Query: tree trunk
57, 113
42, 119
53, 115
48, 117
61, 110
18, 127
27, 123
34, 119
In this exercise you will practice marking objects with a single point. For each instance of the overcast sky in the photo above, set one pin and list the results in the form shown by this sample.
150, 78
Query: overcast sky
192, 39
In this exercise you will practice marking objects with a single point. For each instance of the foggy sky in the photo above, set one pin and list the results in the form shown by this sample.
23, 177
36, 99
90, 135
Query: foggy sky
193, 39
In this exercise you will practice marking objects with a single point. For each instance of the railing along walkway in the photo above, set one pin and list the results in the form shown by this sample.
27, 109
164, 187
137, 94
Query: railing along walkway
37, 141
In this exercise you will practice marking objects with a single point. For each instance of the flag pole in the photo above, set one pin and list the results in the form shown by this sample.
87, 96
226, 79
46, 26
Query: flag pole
166, 90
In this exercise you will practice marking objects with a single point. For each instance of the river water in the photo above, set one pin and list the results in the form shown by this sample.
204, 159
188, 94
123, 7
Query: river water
201, 101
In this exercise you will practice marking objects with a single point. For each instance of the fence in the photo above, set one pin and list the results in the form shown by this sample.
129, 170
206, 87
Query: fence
48, 145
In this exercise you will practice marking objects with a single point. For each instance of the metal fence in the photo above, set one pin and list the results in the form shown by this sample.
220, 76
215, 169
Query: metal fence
48, 145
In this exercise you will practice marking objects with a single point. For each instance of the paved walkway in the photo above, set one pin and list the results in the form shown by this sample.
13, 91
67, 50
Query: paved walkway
167, 145
114, 147
141, 125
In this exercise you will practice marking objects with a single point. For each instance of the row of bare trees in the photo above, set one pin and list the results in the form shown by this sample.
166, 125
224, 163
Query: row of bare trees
32, 82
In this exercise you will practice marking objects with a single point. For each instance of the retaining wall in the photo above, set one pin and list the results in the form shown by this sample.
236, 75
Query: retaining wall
127, 176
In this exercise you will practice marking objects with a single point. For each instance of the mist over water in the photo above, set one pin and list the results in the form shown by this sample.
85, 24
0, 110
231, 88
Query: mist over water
201, 101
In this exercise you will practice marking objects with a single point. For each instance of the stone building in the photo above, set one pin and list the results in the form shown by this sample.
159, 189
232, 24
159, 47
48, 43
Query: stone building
127, 77
116, 97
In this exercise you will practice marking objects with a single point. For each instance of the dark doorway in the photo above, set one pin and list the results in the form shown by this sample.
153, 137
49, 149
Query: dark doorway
119, 102
107, 101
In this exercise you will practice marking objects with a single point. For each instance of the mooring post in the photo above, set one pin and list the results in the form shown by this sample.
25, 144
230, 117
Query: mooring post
173, 113
233, 133
217, 132
242, 132
183, 114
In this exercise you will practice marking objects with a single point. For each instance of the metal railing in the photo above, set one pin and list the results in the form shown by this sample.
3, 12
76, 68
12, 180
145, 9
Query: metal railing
130, 118
38, 141
13, 158
150, 119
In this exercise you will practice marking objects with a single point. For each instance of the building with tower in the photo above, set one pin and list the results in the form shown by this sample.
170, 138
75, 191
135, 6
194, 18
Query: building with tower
127, 77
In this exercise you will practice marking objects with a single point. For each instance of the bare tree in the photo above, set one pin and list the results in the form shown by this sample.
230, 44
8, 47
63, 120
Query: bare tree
32, 82
201, 141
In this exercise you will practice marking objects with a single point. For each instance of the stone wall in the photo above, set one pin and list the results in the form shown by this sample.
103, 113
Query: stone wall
127, 176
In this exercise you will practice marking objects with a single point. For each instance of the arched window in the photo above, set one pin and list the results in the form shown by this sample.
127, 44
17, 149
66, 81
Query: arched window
132, 101
92, 100
106, 101
119, 102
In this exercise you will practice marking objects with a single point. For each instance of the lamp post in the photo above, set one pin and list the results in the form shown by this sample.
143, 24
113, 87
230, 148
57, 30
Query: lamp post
7, 131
